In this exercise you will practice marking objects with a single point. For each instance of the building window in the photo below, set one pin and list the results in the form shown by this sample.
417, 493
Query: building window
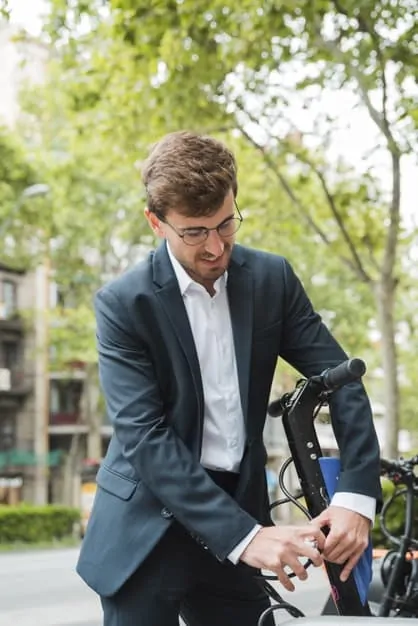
7, 431
65, 297
9, 298
9, 355
65, 396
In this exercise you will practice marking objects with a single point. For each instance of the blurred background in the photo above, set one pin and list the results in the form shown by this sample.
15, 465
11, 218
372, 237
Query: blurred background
319, 101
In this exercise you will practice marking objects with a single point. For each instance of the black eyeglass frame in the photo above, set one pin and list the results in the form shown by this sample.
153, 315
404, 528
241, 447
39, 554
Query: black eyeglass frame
204, 230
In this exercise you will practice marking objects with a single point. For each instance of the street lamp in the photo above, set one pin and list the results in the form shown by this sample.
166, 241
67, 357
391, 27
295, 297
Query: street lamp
38, 189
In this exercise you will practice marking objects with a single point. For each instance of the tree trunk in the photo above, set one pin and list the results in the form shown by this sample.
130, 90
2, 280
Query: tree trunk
71, 470
91, 415
385, 297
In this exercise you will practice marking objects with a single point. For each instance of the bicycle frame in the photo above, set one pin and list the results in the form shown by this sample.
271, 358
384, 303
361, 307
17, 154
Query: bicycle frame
390, 598
298, 422
390, 591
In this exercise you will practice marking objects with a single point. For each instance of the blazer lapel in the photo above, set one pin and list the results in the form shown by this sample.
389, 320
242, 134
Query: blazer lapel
168, 293
240, 295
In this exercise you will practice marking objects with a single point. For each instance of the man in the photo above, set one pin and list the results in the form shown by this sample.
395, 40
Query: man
188, 342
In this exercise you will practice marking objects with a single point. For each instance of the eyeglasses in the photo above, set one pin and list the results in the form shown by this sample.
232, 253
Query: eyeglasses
198, 234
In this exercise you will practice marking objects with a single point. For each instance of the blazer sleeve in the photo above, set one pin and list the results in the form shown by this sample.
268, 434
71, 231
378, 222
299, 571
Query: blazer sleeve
308, 346
149, 443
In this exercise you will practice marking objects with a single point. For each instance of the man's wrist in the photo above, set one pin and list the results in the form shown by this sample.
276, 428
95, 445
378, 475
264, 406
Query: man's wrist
235, 554
357, 502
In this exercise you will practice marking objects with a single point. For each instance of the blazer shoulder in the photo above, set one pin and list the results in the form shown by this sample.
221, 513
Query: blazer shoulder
132, 282
261, 260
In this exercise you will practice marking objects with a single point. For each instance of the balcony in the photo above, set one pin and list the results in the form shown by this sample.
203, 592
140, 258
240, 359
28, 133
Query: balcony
64, 406
10, 320
14, 385
12, 324
66, 423
62, 418
22, 457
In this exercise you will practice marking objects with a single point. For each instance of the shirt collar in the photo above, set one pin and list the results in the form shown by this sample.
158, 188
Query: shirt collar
185, 281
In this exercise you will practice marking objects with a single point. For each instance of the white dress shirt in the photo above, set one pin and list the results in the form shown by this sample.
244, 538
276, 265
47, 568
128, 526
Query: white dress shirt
223, 424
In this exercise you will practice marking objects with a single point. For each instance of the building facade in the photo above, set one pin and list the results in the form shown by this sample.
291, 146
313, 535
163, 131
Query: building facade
17, 383
44, 436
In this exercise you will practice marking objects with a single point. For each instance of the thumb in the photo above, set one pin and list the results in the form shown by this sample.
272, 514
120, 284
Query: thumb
316, 534
322, 519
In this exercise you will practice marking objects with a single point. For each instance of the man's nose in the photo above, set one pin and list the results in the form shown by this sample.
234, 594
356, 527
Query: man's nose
214, 243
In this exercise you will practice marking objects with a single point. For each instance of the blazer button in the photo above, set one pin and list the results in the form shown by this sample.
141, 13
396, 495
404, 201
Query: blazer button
166, 513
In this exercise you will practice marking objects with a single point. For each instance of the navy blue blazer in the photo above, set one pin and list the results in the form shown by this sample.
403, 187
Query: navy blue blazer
150, 375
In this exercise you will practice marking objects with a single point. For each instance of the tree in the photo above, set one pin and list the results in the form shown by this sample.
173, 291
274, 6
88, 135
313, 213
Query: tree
4, 9
16, 174
90, 227
250, 66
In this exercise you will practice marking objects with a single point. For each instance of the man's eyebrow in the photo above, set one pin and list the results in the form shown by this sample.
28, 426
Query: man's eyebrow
227, 218
205, 227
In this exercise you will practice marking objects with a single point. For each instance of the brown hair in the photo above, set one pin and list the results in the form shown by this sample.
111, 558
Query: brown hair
189, 173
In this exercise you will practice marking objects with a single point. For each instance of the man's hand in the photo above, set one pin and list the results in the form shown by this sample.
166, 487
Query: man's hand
275, 547
347, 539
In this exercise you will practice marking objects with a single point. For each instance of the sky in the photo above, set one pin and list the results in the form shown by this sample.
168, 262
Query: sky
357, 139
27, 13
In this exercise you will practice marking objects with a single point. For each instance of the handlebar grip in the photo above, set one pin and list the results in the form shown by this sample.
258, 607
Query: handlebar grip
276, 408
344, 373
390, 466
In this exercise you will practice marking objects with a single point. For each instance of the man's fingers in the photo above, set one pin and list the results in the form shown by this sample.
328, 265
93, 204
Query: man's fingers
314, 533
284, 579
295, 566
340, 547
282, 550
321, 520
349, 566
313, 555
308, 548
336, 552
340, 558
333, 542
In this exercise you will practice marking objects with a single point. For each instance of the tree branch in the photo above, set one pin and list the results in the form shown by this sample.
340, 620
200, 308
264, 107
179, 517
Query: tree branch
369, 247
379, 118
382, 122
295, 200
395, 216
358, 265
285, 185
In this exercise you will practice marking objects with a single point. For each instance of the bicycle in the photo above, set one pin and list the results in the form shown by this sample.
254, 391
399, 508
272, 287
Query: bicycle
394, 589
298, 410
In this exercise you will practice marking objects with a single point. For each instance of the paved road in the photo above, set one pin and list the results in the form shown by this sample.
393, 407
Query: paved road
41, 589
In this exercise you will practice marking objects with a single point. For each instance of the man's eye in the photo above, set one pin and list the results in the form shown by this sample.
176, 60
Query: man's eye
194, 232
226, 226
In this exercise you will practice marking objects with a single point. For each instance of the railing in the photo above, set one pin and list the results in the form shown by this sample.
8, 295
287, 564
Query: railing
64, 418
19, 458
11, 321
13, 380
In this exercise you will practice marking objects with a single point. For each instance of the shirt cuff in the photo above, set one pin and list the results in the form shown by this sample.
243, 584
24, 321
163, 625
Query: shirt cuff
357, 502
234, 556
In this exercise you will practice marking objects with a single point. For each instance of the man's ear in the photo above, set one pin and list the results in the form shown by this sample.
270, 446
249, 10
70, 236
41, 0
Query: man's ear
154, 222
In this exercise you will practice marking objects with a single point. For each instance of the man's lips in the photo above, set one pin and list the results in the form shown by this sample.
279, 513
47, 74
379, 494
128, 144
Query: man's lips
211, 261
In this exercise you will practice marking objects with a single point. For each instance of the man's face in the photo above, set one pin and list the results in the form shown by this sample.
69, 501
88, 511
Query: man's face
206, 261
